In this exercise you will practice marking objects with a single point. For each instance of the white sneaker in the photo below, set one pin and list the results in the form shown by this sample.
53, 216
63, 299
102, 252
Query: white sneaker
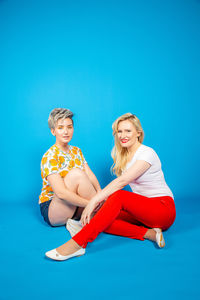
159, 237
73, 226
53, 254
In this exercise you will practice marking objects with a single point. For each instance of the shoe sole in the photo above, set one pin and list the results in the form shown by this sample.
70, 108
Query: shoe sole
63, 259
161, 241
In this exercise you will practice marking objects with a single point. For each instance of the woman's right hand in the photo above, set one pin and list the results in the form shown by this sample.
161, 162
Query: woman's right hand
87, 212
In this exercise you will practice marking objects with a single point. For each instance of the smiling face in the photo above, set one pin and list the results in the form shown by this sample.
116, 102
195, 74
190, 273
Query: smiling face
63, 131
127, 135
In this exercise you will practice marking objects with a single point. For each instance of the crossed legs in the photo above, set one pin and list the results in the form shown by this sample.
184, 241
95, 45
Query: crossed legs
148, 213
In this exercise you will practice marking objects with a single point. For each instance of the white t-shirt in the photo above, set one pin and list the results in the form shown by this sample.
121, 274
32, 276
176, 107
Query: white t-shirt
152, 182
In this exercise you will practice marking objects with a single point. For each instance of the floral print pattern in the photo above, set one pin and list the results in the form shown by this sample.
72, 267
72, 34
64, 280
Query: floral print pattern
57, 161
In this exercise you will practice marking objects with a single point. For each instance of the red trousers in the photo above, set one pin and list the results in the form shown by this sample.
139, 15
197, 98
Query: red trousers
127, 214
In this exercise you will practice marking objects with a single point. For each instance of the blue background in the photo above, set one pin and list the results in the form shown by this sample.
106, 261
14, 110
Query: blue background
100, 59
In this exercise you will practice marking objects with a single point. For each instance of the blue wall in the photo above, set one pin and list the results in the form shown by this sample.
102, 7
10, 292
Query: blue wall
100, 59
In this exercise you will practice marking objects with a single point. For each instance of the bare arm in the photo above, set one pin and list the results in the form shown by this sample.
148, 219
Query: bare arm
92, 178
131, 174
61, 191
119, 183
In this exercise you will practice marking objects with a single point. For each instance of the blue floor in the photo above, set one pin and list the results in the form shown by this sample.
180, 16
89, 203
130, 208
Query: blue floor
113, 267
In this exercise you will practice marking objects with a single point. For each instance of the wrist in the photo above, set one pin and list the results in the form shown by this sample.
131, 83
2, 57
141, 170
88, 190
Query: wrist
97, 199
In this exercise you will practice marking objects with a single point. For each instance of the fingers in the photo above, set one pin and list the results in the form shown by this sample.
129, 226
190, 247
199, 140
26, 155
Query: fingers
88, 219
86, 214
84, 221
85, 218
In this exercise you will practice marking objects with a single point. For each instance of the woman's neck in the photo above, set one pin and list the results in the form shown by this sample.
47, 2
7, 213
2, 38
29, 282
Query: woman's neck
63, 147
133, 149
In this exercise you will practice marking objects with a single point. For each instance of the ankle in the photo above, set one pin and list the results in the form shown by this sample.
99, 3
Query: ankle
75, 245
150, 235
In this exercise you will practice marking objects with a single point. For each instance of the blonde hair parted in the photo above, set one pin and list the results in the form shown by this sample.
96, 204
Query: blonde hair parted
119, 153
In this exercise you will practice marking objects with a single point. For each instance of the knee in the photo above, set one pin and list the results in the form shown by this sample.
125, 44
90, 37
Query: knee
75, 174
118, 195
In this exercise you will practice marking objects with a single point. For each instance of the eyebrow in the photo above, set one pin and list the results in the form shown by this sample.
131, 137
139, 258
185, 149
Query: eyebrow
65, 125
124, 129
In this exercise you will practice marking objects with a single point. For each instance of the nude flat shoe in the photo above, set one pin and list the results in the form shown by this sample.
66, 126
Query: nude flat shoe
159, 237
53, 254
73, 226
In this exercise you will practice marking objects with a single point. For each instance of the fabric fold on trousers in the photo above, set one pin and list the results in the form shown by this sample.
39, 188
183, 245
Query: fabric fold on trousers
146, 212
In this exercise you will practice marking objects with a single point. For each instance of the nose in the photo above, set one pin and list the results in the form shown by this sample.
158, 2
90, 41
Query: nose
65, 130
123, 135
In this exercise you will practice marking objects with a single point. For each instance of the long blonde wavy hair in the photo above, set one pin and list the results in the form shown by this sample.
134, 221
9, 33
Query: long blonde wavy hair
119, 153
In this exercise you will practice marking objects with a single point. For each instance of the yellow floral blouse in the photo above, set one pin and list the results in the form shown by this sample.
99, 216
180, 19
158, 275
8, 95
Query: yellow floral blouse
57, 161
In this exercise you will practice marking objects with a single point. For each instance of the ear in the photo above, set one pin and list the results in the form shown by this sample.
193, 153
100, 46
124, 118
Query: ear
138, 134
53, 131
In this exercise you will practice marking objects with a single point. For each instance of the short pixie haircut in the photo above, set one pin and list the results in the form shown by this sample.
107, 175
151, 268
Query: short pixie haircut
57, 114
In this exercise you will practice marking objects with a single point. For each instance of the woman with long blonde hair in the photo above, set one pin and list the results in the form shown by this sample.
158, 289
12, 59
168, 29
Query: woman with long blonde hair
140, 214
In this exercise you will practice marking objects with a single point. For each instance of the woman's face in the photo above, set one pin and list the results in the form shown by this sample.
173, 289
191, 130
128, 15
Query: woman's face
127, 134
63, 131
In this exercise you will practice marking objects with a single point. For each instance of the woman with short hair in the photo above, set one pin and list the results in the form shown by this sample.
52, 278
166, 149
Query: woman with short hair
68, 182
149, 208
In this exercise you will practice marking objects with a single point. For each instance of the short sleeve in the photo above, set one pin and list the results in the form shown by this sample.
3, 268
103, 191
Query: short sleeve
49, 165
148, 155
82, 157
